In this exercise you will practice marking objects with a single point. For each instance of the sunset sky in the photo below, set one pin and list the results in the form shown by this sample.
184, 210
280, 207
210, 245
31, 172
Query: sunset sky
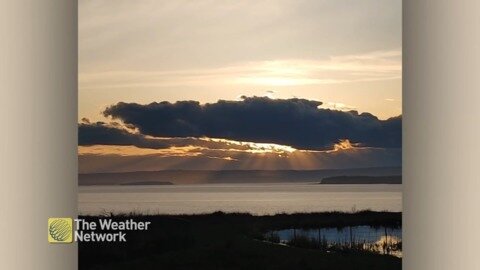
239, 84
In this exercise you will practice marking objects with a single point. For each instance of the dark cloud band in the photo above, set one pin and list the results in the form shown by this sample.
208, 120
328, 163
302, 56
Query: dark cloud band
100, 133
299, 123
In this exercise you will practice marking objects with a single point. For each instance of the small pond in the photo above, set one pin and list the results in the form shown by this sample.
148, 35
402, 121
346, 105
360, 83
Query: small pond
381, 240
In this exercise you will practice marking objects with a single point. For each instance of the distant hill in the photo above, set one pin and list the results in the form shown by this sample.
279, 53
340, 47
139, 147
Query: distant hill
147, 183
392, 179
180, 177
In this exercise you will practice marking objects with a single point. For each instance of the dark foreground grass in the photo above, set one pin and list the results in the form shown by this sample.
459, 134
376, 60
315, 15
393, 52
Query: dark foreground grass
232, 241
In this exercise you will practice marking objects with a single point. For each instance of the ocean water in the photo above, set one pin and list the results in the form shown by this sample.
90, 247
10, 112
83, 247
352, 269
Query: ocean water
258, 199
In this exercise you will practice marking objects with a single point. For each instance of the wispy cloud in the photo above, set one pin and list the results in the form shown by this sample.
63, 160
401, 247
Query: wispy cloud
373, 66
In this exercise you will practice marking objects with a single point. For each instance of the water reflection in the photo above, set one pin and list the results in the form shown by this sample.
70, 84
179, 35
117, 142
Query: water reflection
381, 240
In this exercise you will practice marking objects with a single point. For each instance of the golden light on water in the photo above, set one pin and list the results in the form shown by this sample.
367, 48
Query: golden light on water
389, 242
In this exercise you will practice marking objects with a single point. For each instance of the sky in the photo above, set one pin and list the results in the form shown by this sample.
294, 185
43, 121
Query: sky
169, 84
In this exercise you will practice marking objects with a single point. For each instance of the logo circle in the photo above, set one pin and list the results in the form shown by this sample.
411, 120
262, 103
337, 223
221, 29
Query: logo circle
59, 230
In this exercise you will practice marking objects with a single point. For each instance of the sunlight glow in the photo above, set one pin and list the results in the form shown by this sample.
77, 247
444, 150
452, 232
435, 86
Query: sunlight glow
373, 66
256, 147
344, 145
338, 106
129, 150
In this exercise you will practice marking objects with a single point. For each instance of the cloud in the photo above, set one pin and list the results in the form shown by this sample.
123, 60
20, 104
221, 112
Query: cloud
172, 35
338, 106
91, 161
372, 66
298, 123
101, 133
106, 134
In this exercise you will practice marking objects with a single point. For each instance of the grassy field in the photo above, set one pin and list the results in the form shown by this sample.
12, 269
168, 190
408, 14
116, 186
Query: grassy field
232, 241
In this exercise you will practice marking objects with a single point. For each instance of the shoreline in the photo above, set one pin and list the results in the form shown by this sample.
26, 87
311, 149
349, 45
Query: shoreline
232, 239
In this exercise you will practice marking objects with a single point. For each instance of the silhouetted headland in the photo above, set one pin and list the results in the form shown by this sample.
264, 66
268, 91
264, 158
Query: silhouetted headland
180, 177
393, 179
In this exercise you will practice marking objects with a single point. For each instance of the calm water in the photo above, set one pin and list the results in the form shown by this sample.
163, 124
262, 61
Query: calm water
342, 235
375, 238
257, 199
